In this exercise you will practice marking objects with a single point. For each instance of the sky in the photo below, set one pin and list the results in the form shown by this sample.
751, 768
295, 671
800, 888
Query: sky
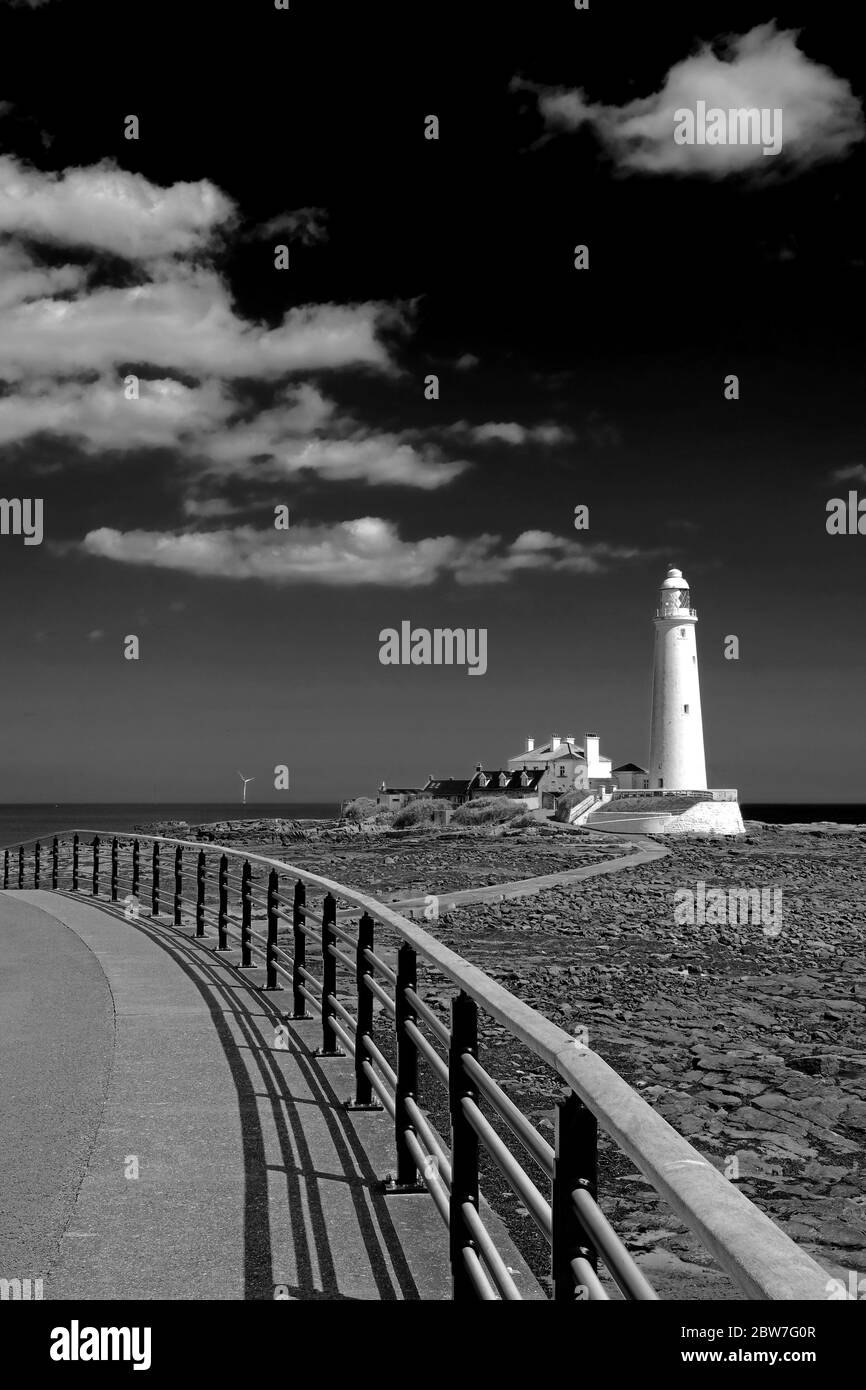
154, 260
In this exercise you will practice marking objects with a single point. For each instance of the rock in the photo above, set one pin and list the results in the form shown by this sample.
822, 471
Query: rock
854, 1115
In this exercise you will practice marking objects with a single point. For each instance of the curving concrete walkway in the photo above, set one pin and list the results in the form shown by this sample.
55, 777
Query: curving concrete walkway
56, 1046
180, 1153
647, 850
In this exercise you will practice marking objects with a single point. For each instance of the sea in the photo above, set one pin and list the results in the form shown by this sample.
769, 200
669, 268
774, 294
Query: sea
29, 820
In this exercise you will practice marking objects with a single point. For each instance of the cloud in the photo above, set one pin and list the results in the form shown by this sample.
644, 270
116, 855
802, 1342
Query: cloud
822, 118
22, 279
69, 338
855, 473
204, 425
367, 551
208, 508
510, 432
306, 225
371, 457
97, 415
110, 209
467, 361
185, 321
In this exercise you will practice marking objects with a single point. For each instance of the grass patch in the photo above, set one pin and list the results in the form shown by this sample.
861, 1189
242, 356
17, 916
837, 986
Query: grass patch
490, 810
425, 811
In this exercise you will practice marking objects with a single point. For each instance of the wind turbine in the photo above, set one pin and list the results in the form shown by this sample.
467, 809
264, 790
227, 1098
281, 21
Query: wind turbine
245, 780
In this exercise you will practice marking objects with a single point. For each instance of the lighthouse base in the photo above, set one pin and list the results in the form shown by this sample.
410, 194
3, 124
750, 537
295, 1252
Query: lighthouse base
711, 812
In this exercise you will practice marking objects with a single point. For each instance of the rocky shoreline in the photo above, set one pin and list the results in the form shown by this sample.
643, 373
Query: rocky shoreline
750, 1042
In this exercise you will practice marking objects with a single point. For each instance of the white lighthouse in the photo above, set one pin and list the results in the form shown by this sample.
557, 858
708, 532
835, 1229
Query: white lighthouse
677, 738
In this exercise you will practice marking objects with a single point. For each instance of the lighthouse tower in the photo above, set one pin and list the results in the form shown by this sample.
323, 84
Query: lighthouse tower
677, 740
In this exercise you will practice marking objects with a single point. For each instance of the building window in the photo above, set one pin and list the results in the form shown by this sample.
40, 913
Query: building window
562, 771
685, 709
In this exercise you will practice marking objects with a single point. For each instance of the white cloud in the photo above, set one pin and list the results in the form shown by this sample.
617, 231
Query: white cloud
208, 508
203, 424
822, 118
23, 279
467, 361
306, 225
510, 432
97, 415
856, 473
368, 551
185, 322
304, 432
68, 339
110, 209
373, 458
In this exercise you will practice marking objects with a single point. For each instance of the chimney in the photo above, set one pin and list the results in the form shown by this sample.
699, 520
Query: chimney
569, 738
590, 742
554, 740
530, 745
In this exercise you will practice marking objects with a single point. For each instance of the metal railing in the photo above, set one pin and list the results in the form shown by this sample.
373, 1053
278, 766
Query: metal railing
654, 793
760, 1258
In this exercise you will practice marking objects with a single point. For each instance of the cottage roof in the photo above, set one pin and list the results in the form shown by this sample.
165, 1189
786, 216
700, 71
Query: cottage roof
513, 778
447, 786
631, 767
544, 752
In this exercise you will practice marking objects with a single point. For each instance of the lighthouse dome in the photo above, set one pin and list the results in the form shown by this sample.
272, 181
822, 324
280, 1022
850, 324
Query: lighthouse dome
675, 580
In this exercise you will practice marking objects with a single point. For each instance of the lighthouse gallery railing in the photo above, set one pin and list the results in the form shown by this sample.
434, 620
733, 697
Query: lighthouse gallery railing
759, 1257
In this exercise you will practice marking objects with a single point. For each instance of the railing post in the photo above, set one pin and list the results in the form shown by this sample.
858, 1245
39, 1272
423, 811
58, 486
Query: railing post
95, 884
37, 863
222, 919
299, 961
5, 868
75, 863
136, 868
329, 1046
154, 884
464, 1141
114, 869
246, 916
575, 1166
20, 866
55, 861
272, 982
364, 1098
199, 894
407, 1178
178, 882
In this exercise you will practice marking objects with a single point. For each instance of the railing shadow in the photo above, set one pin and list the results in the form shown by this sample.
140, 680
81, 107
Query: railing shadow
381, 1242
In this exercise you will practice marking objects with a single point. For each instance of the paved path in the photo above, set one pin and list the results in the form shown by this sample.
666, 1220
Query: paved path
523, 887
251, 1175
56, 1045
